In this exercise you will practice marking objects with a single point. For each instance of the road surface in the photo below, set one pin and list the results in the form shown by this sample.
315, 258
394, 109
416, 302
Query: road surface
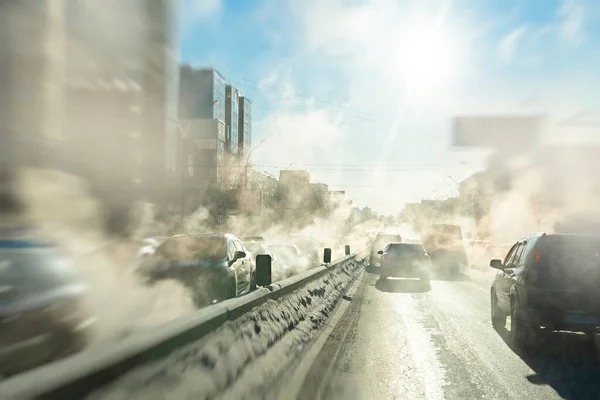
397, 339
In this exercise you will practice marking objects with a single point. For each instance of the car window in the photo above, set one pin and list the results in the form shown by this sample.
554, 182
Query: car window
239, 246
515, 256
510, 253
230, 250
520, 256
405, 249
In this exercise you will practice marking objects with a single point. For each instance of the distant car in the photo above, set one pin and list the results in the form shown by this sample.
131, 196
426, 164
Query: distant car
444, 244
405, 260
279, 270
380, 243
42, 312
549, 281
213, 266
309, 246
292, 258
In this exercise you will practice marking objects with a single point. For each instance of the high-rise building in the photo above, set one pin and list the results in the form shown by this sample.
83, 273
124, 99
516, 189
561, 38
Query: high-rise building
202, 93
232, 119
245, 127
122, 92
92, 98
202, 106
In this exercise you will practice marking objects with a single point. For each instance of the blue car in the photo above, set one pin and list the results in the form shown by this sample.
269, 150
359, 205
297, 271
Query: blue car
41, 313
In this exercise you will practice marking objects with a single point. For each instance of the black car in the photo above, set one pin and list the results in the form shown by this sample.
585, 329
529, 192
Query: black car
547, 281
379, 244
444, 244
213, 266
405, 260
43, 315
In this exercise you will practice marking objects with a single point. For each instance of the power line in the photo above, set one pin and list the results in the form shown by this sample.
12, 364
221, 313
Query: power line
353, 113
373, 165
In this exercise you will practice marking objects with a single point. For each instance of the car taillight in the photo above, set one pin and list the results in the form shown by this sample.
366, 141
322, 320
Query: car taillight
537, 255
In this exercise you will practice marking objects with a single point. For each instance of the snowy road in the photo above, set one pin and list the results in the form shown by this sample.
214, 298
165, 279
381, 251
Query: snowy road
398, 340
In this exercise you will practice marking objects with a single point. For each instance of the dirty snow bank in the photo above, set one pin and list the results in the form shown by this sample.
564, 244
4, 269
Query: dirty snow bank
243, 355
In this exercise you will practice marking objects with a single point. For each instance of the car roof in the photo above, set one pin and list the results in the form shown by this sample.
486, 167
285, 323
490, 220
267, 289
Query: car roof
561, 234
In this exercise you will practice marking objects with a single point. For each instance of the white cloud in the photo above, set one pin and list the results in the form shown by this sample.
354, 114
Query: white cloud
294, 130
572, 19
207, 8
195, 10
508, 45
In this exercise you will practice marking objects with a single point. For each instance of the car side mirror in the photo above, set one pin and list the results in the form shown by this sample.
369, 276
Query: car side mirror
496, 264
380, 252
327, 255
263, 270
238, 255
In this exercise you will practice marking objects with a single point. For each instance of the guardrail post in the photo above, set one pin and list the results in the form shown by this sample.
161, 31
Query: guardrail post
327, 256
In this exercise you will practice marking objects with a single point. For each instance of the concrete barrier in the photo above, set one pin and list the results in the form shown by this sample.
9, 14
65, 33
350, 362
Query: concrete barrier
76, 376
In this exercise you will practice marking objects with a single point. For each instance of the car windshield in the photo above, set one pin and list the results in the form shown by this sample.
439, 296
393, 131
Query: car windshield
255, 247
186, 248
405, 249
24, 273
569, 260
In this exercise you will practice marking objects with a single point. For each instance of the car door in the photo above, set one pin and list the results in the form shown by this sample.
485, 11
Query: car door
502, 281
243, 267
514, 269
234, 264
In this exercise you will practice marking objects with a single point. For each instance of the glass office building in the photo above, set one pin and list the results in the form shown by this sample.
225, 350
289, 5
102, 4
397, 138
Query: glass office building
231, 119
245, 127
202, 94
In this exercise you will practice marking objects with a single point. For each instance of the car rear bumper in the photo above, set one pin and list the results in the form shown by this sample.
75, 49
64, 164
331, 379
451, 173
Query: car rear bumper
403, 271
566, 321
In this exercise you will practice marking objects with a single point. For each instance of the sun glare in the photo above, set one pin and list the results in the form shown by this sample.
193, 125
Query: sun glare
425, 57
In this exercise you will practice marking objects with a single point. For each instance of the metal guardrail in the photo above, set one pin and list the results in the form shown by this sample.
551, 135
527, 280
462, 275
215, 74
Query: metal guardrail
77, 376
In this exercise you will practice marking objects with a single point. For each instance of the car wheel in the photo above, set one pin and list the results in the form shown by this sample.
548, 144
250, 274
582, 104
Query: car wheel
498, 316
521, 334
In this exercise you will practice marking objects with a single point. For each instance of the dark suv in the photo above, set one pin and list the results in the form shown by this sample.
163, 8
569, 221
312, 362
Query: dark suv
549, 281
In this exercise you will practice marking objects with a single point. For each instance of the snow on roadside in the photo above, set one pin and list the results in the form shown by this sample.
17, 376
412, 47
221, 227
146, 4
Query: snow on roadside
243, 354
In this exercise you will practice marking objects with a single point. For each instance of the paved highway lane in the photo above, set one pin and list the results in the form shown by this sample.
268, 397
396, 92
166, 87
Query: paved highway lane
400, 340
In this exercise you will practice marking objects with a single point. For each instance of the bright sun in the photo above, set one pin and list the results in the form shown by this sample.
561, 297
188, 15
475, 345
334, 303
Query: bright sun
425, 57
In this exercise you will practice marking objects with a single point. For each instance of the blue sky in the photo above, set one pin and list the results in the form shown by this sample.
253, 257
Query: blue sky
361, 92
